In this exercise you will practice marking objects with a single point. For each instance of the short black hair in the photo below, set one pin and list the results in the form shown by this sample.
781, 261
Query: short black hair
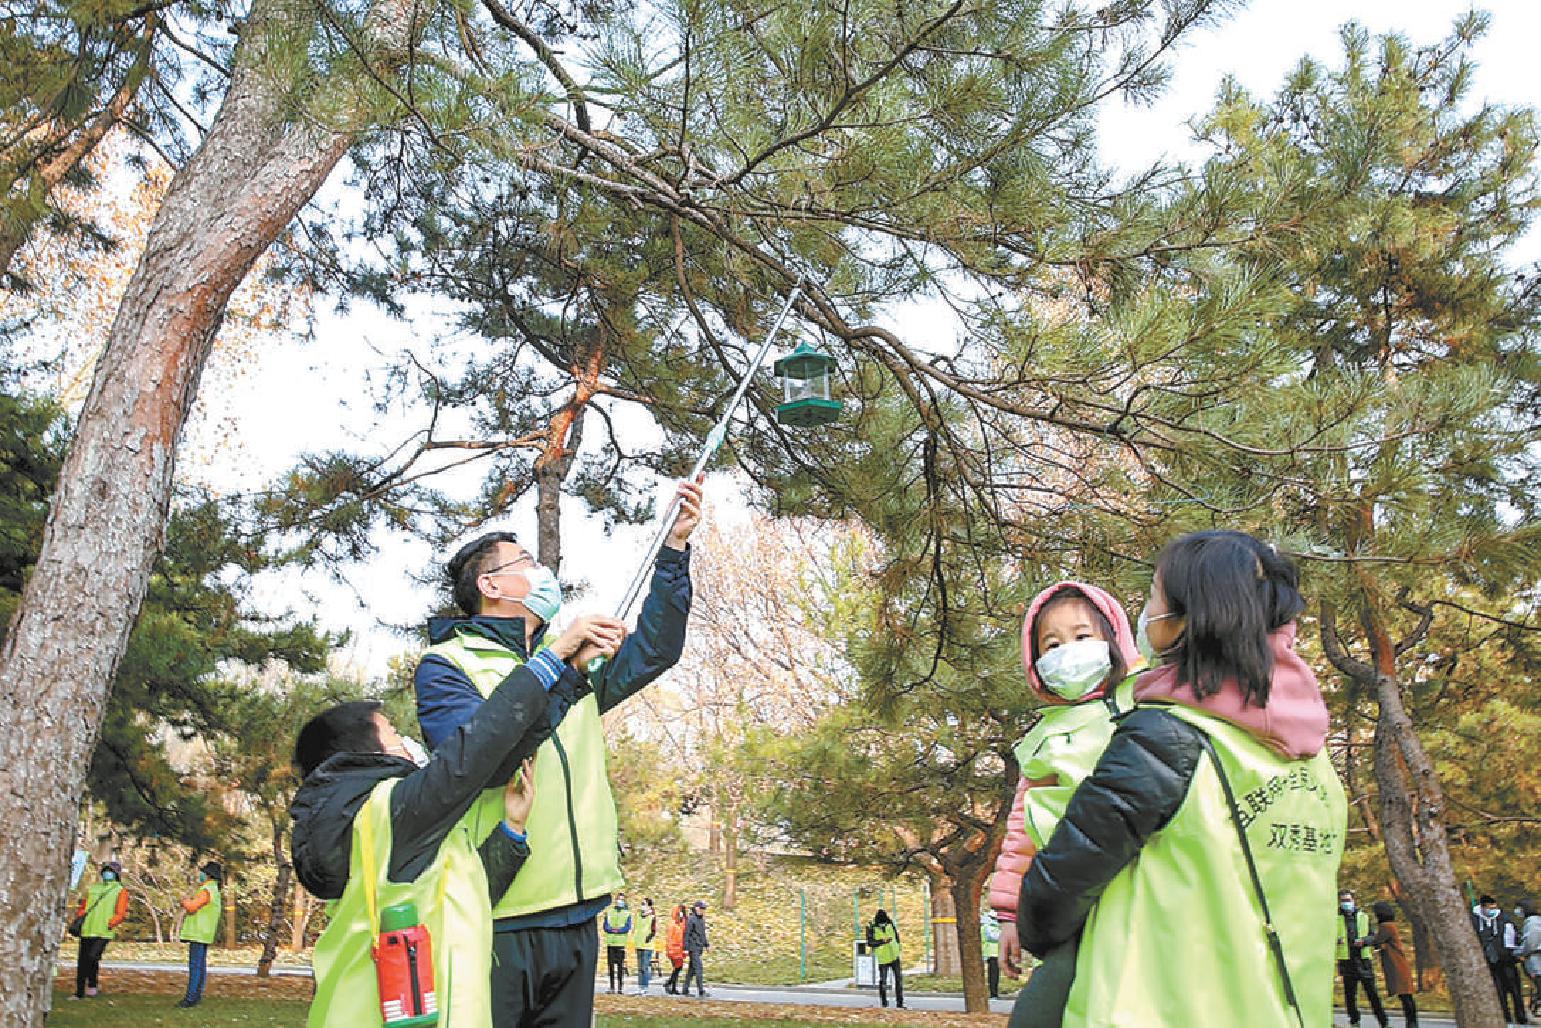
214, 871
467, 565
1119, 668
1486, 900
1232, 591
346, 728
1384, 911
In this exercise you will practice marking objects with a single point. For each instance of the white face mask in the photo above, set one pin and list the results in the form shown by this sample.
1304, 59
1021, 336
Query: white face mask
1142, 637
1076, 668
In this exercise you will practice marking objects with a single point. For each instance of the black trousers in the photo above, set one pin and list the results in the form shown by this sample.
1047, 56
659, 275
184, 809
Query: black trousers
88, 964
1409, 1010
615, 961
696, 971
993, 972
884, 970
1355, 978
1506, 976
674, 979
544, 977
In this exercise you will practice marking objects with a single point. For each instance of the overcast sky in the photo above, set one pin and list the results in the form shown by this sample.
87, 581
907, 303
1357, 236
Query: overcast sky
1258, 46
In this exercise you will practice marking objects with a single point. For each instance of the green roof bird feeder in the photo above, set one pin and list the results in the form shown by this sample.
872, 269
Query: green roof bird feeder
804, 375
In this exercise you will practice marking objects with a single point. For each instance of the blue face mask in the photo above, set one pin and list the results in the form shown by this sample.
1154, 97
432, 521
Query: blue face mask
545, 597
1347, 907
109, 876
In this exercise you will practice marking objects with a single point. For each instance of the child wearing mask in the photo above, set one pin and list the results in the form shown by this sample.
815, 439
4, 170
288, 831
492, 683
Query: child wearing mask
1077, 651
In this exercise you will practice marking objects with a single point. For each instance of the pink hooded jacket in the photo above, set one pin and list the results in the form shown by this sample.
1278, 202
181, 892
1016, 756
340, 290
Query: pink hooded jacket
1017, 848
1294, 721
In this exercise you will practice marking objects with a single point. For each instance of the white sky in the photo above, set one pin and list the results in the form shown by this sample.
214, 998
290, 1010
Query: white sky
1259, 45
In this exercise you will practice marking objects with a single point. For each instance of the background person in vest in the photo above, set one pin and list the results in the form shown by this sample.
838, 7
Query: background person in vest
1179, 935
674, 949
1355, 969
198, 930
545, 942
696, 945
616, 925
1500, 942
990, 943
883, 938
1529, 953
1393, 961
376, 827
103, 908
644, 929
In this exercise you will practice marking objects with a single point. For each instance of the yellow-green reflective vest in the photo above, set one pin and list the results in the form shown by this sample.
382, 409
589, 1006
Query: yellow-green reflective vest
887, 940
451, 900
1177, 937
203, 924
1065, 745
641, 927
572, 824
1361, 930
101, 904
990, 938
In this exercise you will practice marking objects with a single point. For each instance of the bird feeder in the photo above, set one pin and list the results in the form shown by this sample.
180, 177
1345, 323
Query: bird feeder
804, 375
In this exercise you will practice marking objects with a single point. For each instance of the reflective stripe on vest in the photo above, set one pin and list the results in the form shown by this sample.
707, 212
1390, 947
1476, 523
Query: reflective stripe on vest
1188, 892
451, 899
203, 924
572, 827
101, 905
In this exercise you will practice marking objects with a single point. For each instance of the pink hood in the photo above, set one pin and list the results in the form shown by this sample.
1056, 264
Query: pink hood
1123, 638
1293, 722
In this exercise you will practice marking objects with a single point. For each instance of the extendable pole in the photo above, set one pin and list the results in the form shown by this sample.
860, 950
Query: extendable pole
714, 441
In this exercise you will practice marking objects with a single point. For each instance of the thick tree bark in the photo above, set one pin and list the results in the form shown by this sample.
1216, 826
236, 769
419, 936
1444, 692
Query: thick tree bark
280, 900
971, 964
261, 161
1412, 825
551, 470
301, 919
944, 927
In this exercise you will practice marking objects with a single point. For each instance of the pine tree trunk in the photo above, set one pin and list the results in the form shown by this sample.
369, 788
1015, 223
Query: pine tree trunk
965, 901
944, 928
276, 911
300, 919
548, 517
730, 858
255, 169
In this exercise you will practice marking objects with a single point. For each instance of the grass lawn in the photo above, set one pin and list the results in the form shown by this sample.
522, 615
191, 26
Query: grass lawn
155, 1011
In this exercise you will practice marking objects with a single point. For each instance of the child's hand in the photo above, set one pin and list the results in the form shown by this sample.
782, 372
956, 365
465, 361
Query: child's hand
1011, 950
519, 796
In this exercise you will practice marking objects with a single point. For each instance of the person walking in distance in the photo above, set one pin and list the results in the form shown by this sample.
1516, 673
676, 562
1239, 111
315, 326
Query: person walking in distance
1393, 961
883, 937
644, 927
674, 949
101, 910
198, 930
990, 946
696, 945
616, 926
1499, 945
1354, 965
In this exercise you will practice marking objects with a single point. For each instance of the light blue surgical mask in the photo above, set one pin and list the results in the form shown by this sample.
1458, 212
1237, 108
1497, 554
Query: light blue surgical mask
109, 876
1076, 668
1142, 636
545, 597
1347, 906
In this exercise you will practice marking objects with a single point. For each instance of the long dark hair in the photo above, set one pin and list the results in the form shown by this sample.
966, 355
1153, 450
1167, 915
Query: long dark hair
1233, 592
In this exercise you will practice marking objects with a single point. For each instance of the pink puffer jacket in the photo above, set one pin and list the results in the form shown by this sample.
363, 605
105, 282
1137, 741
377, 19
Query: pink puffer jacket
1017, 849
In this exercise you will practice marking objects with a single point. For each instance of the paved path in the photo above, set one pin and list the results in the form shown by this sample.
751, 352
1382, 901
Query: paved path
822, 994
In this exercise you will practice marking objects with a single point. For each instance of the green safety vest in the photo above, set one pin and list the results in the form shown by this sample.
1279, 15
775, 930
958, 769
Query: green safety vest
1188, 893
1064, 745
887, 949
641, 927
451, 899
1361, 930
990, 939
101, 904
203, 924
572, 825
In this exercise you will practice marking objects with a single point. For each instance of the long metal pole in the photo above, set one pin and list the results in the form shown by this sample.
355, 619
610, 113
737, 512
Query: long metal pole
714, 441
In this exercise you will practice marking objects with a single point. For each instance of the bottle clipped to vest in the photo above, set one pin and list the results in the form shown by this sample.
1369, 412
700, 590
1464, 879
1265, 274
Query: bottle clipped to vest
404, 966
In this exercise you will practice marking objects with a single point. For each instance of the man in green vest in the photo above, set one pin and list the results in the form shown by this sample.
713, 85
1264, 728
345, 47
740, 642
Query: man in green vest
101, 911
1355, 968
545, 942
198, 930
380, 831
644, 929
990, 945
616, 926
883, 937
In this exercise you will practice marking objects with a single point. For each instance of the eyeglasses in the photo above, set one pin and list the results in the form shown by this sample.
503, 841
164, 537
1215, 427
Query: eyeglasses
526, 559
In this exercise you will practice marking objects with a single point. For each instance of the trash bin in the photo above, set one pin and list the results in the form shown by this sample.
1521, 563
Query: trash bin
865, 969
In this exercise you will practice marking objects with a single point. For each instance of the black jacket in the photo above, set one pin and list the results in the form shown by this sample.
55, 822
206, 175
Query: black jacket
1135, 790
428, 802
695, 933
